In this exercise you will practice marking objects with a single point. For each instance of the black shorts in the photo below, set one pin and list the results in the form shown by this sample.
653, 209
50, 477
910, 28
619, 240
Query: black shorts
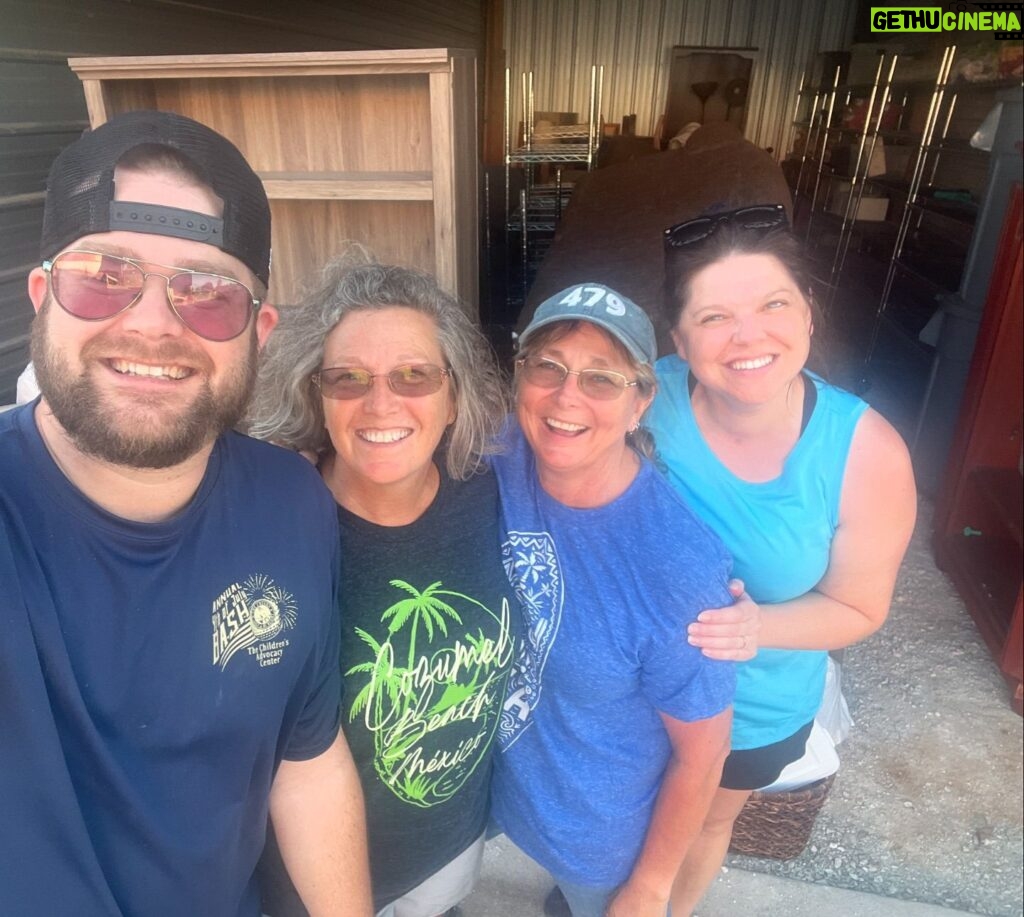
753, 768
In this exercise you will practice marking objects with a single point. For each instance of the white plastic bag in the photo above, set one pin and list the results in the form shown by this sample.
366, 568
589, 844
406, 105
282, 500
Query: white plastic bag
834, 714
27, 388
985, 135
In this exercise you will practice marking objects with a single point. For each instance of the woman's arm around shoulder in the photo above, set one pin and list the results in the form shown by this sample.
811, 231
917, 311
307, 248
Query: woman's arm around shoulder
877, 510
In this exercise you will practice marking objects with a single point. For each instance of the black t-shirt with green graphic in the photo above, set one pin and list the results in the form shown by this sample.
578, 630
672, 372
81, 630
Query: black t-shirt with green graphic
428, 630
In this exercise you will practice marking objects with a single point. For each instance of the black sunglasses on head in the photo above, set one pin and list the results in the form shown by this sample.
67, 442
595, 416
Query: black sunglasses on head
760, 218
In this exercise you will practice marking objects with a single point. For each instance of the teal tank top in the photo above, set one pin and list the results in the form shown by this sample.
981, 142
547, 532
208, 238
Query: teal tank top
779, 533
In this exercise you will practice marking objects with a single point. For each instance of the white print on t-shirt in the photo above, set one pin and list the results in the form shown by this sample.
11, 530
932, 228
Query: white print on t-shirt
432, 707
251, 616
531, 563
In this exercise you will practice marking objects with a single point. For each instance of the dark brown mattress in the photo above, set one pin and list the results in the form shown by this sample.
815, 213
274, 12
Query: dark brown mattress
612, 229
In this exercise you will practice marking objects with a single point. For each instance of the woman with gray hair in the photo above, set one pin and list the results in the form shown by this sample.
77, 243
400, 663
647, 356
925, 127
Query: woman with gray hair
383, 376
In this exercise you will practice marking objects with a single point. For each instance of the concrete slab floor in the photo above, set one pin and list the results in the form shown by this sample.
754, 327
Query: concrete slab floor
514, 886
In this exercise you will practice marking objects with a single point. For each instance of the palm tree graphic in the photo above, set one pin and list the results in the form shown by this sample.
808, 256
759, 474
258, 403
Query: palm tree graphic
391, 694
385, 678
425, 606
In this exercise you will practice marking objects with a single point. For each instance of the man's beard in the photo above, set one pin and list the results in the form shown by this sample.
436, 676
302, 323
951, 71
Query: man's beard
149, 436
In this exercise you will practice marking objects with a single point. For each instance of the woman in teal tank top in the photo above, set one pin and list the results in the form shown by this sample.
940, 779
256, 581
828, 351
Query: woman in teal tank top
811, 491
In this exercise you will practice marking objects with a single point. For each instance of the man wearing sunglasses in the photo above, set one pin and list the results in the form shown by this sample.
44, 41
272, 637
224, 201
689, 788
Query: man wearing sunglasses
168, 670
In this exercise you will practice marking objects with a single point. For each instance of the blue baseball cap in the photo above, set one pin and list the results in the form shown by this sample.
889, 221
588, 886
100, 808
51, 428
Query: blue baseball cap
622, 318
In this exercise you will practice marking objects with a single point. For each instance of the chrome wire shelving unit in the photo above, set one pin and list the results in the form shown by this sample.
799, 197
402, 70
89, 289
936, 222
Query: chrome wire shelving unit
911, 118
535, 192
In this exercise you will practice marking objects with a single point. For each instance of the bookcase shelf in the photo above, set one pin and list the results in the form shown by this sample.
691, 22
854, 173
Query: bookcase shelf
349, 186
375, 146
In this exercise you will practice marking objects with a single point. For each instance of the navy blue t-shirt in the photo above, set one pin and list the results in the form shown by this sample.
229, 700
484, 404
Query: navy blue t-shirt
153, 676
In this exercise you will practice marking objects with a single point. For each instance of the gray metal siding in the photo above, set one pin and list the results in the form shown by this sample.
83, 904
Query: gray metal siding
42, 107
559, 40
41, 111
211, 26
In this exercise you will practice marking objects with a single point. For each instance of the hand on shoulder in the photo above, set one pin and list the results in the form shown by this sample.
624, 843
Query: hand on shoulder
730, 633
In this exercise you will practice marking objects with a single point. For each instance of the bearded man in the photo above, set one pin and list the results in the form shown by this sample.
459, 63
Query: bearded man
168, 665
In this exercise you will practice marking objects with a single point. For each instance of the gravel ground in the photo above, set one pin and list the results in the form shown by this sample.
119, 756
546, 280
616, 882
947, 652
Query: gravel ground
927, 804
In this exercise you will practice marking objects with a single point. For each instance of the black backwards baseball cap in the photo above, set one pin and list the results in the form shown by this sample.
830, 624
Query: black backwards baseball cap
80, 189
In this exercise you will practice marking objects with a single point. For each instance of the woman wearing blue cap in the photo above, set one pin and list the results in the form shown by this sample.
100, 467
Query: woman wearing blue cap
614, 729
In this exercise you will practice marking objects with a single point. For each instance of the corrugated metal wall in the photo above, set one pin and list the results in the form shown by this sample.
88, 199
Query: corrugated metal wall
559, 40
40, 111
42, 107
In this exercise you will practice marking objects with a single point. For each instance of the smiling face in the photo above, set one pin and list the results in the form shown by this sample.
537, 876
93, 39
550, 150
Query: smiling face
572, 434
141, 389
383, 438
745, 328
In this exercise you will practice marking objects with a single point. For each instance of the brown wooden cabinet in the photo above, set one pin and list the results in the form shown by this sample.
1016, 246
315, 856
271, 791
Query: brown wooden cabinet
978, 519
376, 146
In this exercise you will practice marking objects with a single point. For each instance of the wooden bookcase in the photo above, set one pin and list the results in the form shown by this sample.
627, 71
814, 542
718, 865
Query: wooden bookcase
978, 515
376, 146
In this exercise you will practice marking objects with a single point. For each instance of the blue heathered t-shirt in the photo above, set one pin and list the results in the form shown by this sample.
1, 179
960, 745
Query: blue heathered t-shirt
606, 595
779, 532
153, 676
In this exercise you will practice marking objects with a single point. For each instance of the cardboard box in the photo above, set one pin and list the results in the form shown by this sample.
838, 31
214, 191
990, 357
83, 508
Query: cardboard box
863, 62
872, 206
823, 70
844, 158
898, 160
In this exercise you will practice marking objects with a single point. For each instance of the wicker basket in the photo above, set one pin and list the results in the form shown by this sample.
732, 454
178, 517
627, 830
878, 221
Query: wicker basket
777, 825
